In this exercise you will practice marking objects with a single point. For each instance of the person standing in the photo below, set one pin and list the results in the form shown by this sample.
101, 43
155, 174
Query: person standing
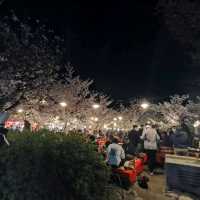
168, 137
182, 137
151, 138
134, 140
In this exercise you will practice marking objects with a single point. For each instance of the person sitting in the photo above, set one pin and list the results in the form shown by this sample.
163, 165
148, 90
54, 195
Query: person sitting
115, 154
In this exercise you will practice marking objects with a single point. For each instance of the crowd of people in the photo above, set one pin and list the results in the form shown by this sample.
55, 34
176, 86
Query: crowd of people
117, 147
147, 139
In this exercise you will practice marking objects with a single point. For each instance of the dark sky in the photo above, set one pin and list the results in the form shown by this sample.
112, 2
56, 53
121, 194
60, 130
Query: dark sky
121, 44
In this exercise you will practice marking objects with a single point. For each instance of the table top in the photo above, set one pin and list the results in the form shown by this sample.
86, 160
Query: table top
182, 160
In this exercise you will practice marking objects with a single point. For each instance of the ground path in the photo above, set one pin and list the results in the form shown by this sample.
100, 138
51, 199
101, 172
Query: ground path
156, 189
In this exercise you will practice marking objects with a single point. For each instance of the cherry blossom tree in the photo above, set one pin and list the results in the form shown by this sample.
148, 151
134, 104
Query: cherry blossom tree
131, 114
134, 114
70, 102
30, 59
174, 110
193, 107
34, 79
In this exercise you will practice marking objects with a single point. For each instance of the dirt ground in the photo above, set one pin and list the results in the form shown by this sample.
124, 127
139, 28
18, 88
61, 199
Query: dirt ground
156, 189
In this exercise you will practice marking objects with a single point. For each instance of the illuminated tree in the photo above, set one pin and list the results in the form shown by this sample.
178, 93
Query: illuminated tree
174, 111
135, 113
70, 102
30, 59
193, 107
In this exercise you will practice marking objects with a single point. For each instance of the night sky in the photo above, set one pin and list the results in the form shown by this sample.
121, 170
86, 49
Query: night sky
123, 45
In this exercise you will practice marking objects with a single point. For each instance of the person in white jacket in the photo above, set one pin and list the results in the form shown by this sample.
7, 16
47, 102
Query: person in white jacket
115, 154
151, 138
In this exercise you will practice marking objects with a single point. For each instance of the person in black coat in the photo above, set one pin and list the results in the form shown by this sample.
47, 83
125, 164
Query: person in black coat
182, 138
134, 140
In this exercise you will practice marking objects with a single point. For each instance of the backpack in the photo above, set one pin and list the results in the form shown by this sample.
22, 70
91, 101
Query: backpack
143, 182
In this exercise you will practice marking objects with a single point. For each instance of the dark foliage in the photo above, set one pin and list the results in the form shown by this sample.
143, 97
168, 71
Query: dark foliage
46, 166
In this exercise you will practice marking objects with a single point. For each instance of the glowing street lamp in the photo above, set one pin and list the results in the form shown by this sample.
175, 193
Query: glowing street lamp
196, 124
120, 118
63, 104
115, 119
96, 106
144, 105
105, 126
96, 119
20, 110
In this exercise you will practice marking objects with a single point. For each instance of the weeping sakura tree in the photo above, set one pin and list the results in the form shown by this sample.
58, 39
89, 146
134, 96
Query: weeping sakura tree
29, 61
